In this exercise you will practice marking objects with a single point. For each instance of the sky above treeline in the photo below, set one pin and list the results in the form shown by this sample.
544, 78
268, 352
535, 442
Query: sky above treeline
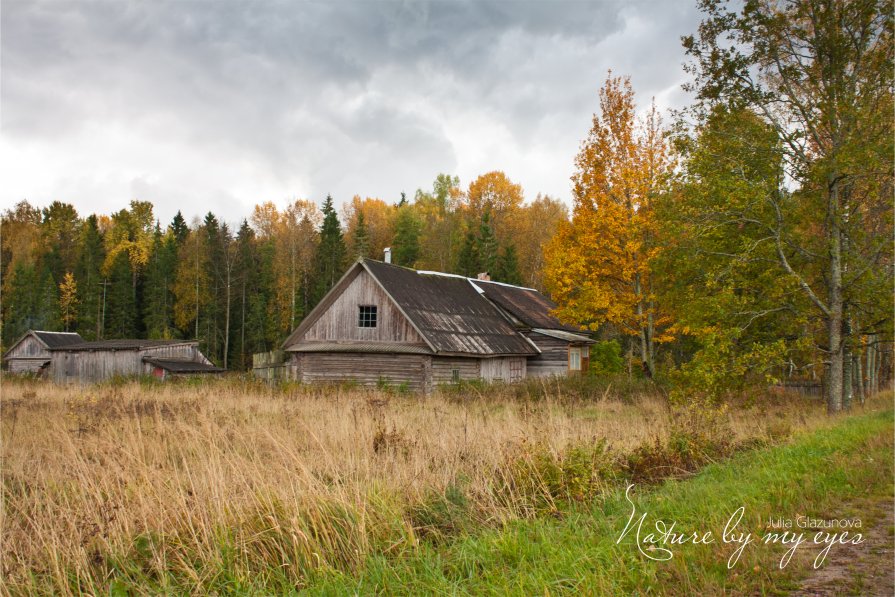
200, 106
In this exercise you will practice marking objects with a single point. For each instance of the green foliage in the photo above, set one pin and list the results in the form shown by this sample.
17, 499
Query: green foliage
507, 267
606, 358
406, 248
330, 257
121, 300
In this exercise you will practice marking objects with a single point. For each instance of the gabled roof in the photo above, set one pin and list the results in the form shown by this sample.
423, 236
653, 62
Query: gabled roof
182, 365
564, 335
123, 344
527, 305
55, 339
49, 340
447, 312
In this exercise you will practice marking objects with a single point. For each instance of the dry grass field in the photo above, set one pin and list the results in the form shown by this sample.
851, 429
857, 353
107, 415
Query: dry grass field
192, 481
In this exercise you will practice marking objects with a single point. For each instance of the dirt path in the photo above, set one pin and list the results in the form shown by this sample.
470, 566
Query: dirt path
866, 569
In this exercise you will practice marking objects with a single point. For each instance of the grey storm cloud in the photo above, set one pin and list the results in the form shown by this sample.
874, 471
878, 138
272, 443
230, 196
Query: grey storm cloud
219, 105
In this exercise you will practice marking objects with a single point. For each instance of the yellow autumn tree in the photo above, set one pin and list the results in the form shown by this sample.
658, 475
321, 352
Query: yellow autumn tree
68, 300
597, 267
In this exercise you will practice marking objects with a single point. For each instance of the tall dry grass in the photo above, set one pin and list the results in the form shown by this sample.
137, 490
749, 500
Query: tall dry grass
156, 485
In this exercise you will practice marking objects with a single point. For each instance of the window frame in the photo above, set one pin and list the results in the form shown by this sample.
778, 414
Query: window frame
577, 351
368, 319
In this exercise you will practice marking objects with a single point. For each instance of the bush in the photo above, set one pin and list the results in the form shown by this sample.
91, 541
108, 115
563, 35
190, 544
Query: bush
606, 358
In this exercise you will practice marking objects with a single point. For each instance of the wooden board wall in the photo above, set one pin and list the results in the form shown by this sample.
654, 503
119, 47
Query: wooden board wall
28, 347
554, 357
414, 370
339, 321
97, 365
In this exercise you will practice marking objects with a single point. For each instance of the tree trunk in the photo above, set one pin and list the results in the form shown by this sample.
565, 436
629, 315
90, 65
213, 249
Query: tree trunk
847, 371
227, 320
242, 327
836, 307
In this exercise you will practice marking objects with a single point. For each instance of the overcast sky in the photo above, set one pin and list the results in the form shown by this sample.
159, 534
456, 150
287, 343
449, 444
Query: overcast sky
218, 105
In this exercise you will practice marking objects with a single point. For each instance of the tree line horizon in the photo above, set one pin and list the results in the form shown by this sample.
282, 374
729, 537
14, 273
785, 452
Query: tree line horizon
747, 241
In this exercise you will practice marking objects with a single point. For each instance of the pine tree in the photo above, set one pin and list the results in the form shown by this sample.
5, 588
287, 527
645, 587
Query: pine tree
330, 259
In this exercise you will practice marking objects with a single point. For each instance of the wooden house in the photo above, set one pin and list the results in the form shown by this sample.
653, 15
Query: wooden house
31, 352
387, 324
96, 361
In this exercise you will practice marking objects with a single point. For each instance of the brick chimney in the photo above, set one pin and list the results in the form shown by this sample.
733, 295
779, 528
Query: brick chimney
484, 276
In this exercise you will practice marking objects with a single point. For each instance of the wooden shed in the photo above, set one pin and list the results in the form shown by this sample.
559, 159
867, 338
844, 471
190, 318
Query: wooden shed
31, 352
387, 324
96, 361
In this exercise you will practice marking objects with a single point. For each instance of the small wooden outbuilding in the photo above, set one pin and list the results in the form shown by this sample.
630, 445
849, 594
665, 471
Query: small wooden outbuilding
31, 352
384, 323
96, 361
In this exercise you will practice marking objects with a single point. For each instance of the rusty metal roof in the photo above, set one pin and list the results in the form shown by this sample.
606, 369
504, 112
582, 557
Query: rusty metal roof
527, 305
449, 312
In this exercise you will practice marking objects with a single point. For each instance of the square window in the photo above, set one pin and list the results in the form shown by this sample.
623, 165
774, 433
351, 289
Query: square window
366, 316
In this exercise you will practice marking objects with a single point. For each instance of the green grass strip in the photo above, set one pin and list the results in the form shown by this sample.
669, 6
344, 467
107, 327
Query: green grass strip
824, 474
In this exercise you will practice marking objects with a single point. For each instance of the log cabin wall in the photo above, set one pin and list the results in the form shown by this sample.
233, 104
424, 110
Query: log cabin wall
554, 357
509, 369
366, 369
340, 321
443, 369
27, 356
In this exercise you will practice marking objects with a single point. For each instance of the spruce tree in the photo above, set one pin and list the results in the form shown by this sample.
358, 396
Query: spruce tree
361, 237
487, 245
406, 248
330, 261
158, 300
468, 259
121, 304
90, 279
507, 269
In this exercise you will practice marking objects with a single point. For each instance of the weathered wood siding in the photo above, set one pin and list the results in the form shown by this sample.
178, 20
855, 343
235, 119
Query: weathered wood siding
29, 347
554, 357
339, 321
508, 369
443, 369
97, 365
366, 369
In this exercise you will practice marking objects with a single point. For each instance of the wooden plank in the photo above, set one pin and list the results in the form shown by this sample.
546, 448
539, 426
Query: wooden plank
339, 322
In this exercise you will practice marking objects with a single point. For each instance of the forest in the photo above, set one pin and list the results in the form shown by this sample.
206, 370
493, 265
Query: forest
744, 237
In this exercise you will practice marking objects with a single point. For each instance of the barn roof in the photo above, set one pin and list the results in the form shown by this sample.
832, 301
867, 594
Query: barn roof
56, 339
182, 365
49, 339
123, 344
454, 314
527, 305
449, 312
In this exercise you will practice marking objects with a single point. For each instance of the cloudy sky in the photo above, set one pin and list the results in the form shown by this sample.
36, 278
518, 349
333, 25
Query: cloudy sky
201, 105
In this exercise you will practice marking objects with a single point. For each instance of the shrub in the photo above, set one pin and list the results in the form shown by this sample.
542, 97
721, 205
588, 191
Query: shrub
606, 358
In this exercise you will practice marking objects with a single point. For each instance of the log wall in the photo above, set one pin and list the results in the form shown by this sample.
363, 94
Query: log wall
365, 369
554, 357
